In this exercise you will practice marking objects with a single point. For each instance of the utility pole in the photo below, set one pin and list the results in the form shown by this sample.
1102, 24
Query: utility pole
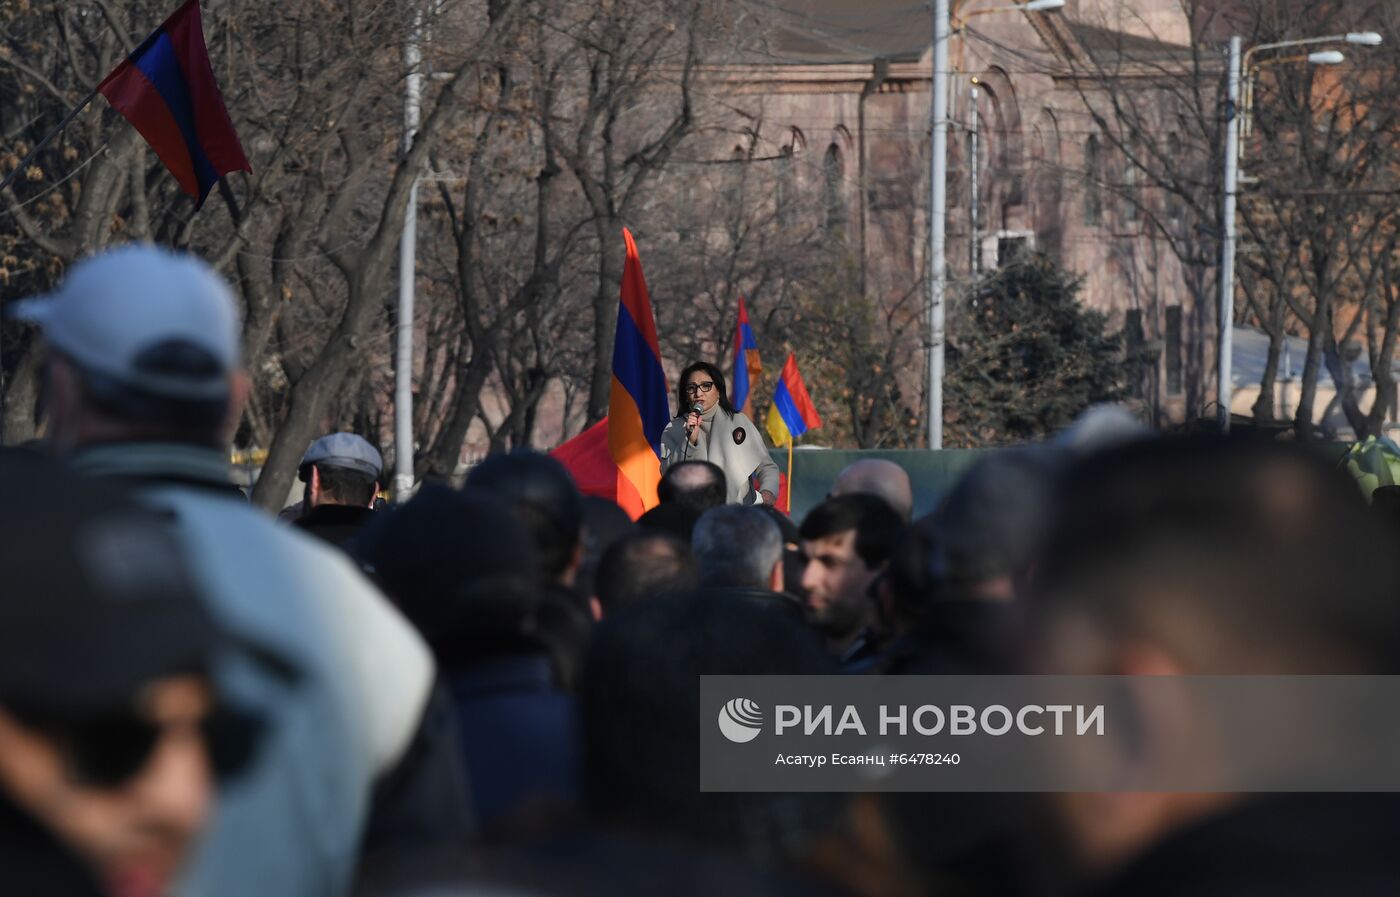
938, 220
1224, 386
975, 194
408, 253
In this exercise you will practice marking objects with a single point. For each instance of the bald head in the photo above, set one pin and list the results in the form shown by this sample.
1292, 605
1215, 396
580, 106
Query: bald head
696, 484
880, 478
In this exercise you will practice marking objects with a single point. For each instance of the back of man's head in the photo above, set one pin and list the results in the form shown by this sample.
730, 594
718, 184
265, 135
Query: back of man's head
640, 566
1229, 557
737, 547
674, 519
639, 708
348, 470
544, 497
876, 525
988, 527
143, 344
881, 478
697, 484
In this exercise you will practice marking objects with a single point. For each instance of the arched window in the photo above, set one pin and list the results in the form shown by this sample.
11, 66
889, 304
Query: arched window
783, 189
1132, 190
1093, 200
834, 169
1176, 204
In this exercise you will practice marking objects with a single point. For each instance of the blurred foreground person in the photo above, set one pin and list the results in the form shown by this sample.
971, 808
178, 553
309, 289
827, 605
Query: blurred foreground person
949, 596
466, 573
342, 473
1213, 557
111, 736
881, 478
144, 386
847, 541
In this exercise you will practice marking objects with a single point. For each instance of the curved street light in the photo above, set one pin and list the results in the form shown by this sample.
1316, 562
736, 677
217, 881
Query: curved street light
938, 197
1239, 70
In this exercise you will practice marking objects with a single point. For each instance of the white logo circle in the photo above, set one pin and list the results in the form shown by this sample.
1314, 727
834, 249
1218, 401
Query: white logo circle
740, 720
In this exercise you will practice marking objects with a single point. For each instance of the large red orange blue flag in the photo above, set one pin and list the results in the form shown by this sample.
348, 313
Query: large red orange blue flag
792, 413
638, 407
747, 363
166, 89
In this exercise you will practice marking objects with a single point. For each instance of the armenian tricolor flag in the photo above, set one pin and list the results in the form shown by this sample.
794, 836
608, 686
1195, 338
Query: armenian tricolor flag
166, 89
747, 363
638, 408
792, 413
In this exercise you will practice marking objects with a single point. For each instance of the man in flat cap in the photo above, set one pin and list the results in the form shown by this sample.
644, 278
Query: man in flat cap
341, 472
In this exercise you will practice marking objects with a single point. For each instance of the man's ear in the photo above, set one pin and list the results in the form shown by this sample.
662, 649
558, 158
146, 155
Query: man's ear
313, 487
374, 496
62, 404
775, 577
238, 388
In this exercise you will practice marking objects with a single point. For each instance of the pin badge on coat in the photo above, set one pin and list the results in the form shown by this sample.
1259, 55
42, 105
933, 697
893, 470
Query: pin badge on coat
740, 435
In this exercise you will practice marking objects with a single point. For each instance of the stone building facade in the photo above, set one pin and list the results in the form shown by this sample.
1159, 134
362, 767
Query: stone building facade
844, 89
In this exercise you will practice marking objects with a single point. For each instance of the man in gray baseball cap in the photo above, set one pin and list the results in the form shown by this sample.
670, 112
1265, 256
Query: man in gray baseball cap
144, 384
342, 473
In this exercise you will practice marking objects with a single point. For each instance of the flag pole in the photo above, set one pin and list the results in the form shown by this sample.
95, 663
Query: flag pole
48, 138
791, 440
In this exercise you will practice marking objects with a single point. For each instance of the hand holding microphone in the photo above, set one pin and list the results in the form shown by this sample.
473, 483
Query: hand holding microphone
692, 423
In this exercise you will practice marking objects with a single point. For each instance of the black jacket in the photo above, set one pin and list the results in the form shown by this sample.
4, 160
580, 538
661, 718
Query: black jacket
334, 523
1303, 845
33, 862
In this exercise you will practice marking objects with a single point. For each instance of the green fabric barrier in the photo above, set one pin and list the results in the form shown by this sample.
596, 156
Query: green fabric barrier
930, 473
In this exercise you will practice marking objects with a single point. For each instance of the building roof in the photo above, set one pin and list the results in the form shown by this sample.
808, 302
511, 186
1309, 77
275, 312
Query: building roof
1108, 47
851, 31
837, 31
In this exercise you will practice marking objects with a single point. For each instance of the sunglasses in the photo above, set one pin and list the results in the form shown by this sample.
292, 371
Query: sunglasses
693, 388
109, 750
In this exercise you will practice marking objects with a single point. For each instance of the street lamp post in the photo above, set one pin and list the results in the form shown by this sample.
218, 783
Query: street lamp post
408, 251
938, 199
1238, 73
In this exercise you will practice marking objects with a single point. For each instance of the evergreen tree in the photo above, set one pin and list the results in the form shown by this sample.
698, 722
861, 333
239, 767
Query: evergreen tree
1025, 358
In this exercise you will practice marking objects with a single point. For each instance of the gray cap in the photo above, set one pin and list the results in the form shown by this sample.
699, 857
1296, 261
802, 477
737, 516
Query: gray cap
147, 318
345, 450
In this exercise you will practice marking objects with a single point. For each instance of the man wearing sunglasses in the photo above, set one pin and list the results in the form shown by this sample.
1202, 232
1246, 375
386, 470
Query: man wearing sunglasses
145, 385
111, 734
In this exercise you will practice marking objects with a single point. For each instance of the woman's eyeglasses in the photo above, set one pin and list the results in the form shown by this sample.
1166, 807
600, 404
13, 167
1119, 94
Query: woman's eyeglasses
693, 388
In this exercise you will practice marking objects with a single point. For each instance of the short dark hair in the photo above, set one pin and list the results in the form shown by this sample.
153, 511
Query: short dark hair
699, 484
544, 497
347, 487
642, 565
1266, 544
673, 519
877, 525
162, 417
683, 401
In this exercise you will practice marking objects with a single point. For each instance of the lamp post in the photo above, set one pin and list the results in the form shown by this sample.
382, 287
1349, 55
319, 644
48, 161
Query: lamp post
938, 199
408, 252
1239, 71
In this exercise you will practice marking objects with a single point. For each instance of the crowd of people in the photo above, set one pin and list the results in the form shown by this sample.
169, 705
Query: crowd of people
492, 689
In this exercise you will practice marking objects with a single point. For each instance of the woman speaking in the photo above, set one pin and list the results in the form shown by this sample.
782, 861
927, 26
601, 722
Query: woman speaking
707, 428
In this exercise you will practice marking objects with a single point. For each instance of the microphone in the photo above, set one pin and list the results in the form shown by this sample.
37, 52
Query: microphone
697, 408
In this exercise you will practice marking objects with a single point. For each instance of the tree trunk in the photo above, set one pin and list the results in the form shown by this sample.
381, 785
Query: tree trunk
605, 302
1263, 409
